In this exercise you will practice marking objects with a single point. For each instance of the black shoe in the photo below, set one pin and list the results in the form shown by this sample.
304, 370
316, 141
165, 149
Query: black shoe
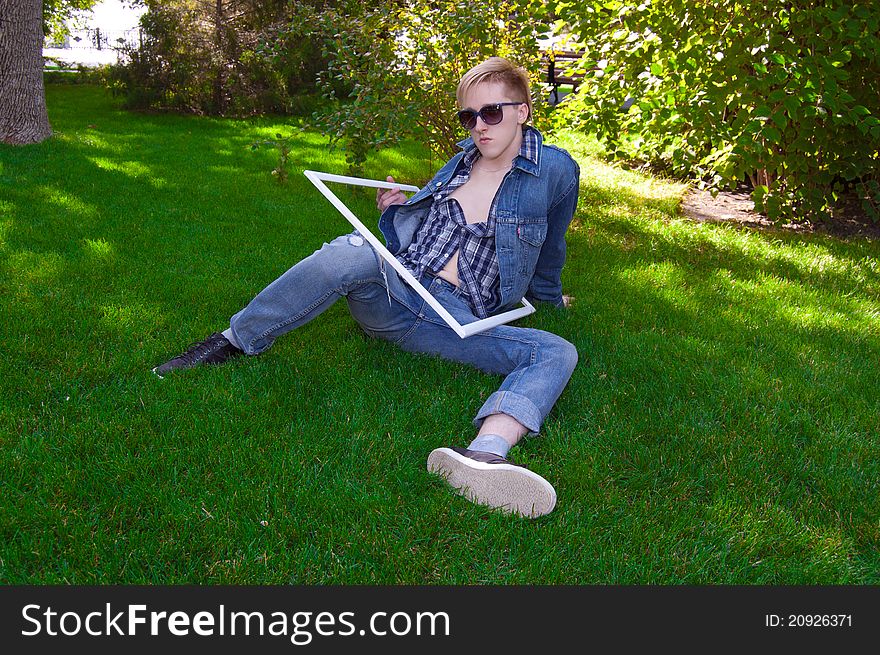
216, 349
487, 479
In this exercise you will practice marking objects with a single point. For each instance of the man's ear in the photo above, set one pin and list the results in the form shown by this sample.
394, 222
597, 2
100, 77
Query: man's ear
523, 113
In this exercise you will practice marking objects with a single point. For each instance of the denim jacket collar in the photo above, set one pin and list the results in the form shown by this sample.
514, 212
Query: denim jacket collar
528, 159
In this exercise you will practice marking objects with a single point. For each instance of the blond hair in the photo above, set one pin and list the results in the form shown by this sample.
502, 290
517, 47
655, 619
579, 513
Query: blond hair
497, 69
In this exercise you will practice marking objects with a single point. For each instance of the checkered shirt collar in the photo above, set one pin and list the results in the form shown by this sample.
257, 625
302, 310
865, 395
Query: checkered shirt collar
531, 146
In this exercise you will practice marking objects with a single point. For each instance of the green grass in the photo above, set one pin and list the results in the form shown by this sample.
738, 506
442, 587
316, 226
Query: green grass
722, 426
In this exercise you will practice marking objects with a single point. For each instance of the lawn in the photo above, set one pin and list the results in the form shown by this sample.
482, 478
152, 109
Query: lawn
722, 425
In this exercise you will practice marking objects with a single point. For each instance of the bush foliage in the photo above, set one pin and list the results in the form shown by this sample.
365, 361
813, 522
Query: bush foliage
393, 67
210, 57
786, 94
387, 70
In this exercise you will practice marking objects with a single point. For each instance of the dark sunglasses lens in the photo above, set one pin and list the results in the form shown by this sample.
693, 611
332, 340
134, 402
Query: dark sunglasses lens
467, 118
492, 115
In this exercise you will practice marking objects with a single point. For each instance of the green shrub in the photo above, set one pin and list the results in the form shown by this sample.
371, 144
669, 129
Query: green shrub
75, 74
393, 67
785, 94
218, 58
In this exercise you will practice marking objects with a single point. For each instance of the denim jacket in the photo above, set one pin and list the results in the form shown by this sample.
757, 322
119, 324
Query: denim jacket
536, 202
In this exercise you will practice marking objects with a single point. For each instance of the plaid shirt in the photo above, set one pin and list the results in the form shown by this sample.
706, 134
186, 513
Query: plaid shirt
446, 231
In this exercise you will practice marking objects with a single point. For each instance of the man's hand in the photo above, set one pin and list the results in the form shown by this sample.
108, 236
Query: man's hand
387, 197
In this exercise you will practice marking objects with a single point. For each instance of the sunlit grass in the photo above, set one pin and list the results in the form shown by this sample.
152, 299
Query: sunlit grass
722, 426
100, 248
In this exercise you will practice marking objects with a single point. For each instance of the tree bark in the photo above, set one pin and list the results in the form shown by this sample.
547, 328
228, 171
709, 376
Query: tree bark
23, 117
220, 57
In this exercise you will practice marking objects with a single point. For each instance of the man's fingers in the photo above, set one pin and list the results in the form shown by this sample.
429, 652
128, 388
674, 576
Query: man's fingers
395, 192
387, 197
382, 192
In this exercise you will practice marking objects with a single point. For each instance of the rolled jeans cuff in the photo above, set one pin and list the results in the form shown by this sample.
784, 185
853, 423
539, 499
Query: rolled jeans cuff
514, 405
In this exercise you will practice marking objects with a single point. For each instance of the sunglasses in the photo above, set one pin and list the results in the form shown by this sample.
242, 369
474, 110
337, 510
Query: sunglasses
491, 114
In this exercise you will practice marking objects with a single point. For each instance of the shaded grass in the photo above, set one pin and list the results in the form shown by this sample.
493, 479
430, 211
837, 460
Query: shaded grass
722, 426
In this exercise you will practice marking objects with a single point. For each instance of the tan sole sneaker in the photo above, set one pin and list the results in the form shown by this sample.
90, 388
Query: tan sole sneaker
494, 482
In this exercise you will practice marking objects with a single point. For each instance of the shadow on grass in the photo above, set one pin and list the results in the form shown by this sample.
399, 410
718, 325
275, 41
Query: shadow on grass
729, 372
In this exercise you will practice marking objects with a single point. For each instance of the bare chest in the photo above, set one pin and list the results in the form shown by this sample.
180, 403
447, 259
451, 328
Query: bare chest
476, 195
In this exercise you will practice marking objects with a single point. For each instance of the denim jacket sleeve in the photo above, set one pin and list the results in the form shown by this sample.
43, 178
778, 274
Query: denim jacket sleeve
546, 283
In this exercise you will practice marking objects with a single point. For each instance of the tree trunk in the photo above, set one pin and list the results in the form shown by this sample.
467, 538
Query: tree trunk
220, 58
23, 117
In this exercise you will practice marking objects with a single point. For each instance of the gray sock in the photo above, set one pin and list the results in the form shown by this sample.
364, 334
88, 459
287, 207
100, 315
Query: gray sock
490, 443
228, 334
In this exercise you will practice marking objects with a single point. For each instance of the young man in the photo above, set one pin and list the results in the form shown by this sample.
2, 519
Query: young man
488, 230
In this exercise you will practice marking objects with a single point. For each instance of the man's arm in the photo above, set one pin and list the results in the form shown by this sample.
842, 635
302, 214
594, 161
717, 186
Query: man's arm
546, 284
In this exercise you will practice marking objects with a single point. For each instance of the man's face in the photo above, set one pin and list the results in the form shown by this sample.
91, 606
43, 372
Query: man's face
502, 141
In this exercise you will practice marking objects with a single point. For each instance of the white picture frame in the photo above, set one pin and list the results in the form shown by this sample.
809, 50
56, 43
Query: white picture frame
318, 179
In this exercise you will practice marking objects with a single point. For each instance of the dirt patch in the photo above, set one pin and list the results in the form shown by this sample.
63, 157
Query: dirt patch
848, 220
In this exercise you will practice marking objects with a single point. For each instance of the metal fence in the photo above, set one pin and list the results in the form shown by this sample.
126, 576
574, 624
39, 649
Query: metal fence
98, 39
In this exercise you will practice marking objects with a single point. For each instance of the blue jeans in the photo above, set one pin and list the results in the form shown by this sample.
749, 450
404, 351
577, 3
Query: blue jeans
536, 364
